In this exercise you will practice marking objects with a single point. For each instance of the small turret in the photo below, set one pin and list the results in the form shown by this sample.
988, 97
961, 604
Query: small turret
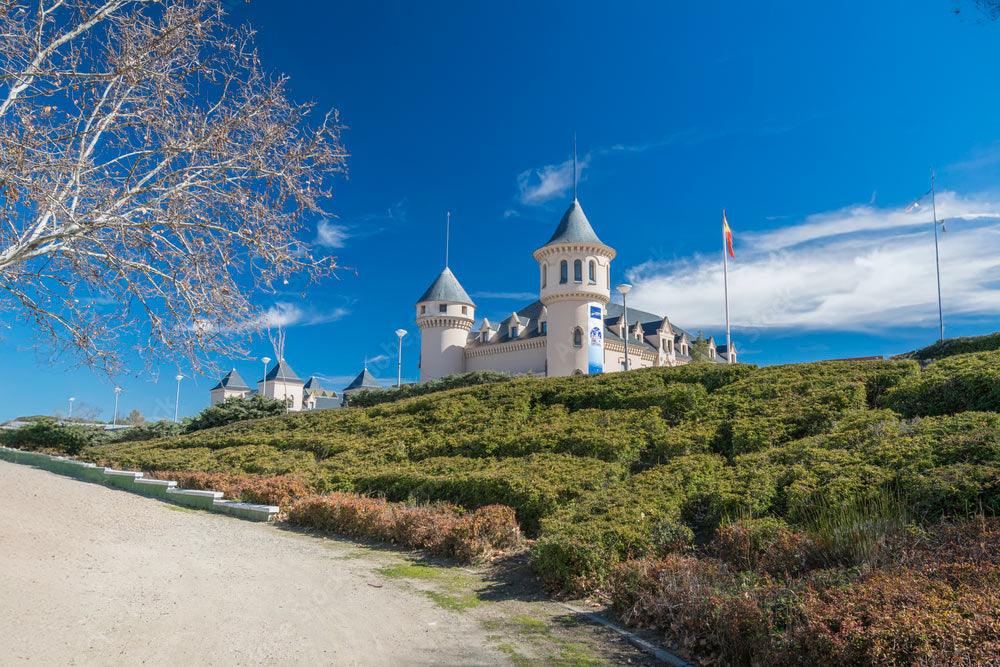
445, 314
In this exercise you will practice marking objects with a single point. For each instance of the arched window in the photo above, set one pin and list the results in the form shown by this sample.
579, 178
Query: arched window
592, 272
578, 271
545, 274
578, 337
563, 272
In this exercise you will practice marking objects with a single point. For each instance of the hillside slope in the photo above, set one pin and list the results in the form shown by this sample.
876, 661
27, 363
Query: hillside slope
769, 472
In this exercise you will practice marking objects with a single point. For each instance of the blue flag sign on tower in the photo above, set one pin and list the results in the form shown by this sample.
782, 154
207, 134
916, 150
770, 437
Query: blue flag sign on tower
595, 336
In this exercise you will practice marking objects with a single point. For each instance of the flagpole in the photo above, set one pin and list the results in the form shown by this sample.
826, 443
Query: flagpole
937, 260
725, 289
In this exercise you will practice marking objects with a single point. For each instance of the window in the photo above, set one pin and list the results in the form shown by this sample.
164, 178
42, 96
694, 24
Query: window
443, 308
578, 271
514, 330
465, 310
609, 275
545, 274
577, 337
592, 272
544, 328
423, 309
563, 272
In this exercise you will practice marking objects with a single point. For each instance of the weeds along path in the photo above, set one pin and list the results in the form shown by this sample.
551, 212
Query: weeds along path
91, 575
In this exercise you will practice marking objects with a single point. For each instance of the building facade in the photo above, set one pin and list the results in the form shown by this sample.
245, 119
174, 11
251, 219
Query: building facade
572, 329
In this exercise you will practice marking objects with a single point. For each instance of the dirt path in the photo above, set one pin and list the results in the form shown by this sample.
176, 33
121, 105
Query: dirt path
95, 575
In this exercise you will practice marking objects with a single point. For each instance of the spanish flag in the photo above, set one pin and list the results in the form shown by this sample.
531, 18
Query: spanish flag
728, 234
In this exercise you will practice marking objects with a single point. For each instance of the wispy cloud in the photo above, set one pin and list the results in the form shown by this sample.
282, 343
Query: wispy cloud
540, 185
537, 186
513, 296
286, 315
859, 268
331, 235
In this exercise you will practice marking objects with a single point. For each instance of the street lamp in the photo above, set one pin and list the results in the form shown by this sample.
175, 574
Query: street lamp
399, 359
623, 289
71, 399
263, 380
177, 400
118, 392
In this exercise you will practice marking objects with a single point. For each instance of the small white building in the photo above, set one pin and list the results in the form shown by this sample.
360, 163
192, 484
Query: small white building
572, 329
231, 385
281, 383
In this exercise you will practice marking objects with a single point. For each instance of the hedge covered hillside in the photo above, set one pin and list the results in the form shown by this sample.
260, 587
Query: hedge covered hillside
605, 468
952, 346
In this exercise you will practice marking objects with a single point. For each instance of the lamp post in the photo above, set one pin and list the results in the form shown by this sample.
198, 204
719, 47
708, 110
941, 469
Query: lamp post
71, 399
177, 400
399, 358
263, 380
623, 289
118, 392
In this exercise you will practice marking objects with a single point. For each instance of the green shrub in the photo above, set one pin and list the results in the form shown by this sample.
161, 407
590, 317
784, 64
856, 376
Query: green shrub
953, 346
954, 384
369, 398
234, 410
49, 434
148, 431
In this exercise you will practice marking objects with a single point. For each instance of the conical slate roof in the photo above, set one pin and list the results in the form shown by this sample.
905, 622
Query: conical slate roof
364, 380
283, 372
574, 227
446, 288
231, 380
313, 384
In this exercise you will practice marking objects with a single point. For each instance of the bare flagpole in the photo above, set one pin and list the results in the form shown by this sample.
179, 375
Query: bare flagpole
937, 261
725, 288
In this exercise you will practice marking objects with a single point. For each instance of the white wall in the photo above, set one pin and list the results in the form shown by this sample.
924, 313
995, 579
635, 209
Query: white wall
513, 361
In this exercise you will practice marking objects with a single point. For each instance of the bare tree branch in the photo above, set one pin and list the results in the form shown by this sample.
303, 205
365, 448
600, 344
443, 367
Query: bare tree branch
153, 177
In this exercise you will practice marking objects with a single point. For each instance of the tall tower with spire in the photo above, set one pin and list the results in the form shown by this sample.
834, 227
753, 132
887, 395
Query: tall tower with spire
445, 315
575, 286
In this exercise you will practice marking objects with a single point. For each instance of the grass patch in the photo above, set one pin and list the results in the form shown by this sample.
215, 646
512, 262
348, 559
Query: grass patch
452, 601
178, 508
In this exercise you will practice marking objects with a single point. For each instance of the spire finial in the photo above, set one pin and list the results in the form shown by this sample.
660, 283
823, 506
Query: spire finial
447, 237
574, 166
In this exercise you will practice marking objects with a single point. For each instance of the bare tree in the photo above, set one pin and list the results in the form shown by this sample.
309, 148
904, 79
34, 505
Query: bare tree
153, 178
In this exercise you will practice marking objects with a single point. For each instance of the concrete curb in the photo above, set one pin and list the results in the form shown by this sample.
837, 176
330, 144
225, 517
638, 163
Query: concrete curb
136, 482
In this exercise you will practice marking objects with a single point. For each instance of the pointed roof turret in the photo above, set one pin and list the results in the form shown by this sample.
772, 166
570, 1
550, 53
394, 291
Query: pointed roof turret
364, 380
283, 372
313, 384
231, 380
446, 288
574, 227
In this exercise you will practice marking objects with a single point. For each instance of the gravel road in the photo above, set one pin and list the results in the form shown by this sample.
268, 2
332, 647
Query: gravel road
93, 575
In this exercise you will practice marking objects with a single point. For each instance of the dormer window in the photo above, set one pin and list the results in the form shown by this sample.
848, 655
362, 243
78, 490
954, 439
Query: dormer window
514, 330
563, 272
592, 272
578, 271
543, 328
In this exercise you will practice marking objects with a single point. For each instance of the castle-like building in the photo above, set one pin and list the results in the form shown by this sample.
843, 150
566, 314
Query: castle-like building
282, 383
572, 329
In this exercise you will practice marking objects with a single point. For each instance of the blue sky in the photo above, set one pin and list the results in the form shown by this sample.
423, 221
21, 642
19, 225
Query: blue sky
813, 124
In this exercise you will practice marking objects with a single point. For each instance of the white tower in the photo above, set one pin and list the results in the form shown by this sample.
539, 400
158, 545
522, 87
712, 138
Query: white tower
575, 275
445, 314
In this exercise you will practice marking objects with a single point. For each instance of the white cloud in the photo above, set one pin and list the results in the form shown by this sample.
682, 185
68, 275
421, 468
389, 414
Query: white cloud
331, 235
537, 186
285, 315
860, 268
